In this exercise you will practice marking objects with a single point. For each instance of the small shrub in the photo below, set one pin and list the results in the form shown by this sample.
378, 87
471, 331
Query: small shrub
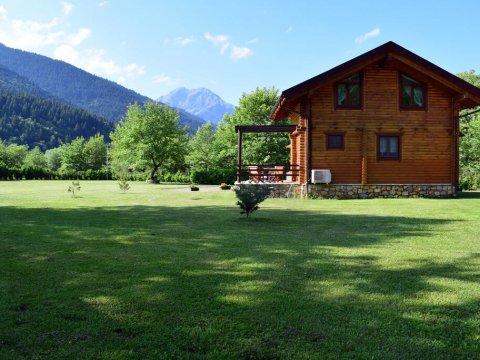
194, 187
224, 186
250, 196
75, 187
124, 185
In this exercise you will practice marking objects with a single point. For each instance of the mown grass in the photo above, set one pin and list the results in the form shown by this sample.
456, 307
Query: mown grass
161, 274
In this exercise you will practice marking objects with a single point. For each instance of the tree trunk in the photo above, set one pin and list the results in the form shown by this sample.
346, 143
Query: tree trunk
153, 174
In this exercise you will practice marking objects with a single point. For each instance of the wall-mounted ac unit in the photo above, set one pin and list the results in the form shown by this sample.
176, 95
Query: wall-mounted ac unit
321, 176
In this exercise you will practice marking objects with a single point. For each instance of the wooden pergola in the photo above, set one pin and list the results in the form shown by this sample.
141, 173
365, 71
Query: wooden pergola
241, 129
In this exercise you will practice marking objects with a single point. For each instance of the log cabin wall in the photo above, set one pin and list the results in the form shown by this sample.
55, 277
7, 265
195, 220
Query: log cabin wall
426, 139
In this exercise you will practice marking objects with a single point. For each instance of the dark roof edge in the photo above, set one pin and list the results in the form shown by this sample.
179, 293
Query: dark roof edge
390, 46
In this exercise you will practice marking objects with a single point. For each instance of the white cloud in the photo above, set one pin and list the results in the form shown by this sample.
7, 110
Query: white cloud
3, 13
95, 62
252, 41
67, 8
184, 41
163, 79
371, 34
35, 36
218, 40
78, 38
238, 53
103, 4
51, 39
67, 54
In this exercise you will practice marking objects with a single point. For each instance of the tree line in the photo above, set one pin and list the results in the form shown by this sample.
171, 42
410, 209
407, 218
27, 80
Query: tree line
149, 144
46, 123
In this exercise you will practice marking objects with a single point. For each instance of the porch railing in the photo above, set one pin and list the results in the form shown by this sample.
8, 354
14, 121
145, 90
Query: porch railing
268, 173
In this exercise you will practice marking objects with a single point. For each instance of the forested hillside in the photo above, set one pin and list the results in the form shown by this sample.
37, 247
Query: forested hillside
78, 87
11, 81
36, 121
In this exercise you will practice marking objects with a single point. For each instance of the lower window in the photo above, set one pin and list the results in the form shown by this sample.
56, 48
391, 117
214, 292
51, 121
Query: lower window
388, 147
335, 141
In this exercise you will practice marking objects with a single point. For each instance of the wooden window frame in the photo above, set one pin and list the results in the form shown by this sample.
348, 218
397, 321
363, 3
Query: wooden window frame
389, 135
360, 95
420, 85
327, 134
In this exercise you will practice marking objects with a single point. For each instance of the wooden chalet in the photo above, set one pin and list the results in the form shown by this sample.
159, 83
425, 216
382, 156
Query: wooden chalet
385, 123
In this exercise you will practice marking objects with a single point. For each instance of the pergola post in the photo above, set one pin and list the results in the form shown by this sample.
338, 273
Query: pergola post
239, 155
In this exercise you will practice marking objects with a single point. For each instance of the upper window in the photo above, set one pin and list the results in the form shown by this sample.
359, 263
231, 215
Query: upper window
388, 147
412, 93
335, 141
349, 92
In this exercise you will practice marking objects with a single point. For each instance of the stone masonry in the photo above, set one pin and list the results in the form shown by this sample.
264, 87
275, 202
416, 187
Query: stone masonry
336, 191
325, 191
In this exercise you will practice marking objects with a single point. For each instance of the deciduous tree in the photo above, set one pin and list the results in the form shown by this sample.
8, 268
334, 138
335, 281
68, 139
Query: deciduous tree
253, 109
201, 154
148, 138
35, 159
470, 140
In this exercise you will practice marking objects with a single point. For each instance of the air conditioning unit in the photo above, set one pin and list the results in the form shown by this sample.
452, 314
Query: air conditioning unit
321, 176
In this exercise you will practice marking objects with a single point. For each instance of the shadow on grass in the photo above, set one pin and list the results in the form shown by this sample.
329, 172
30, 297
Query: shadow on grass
184, 282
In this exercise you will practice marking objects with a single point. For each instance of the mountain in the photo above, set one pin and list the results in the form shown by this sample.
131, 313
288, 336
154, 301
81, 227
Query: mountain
11, 81
78, 87
200, 102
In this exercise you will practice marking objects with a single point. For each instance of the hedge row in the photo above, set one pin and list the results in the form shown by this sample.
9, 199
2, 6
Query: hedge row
212, 176
31, 173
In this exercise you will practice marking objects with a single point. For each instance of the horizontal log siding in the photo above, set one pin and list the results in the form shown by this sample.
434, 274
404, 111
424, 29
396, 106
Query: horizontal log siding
426, 136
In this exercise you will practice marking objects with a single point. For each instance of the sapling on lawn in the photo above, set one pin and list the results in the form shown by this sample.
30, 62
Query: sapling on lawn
250, 196
74, 187
124, 185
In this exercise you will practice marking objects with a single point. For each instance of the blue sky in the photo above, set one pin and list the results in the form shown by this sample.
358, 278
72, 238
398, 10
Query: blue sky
231, 47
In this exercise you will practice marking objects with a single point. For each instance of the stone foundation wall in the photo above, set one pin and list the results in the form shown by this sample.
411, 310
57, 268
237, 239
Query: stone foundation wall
335, 191
280, 191
324, 191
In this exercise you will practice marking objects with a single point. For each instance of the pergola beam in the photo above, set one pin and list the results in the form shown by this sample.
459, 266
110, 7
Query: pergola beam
265, 128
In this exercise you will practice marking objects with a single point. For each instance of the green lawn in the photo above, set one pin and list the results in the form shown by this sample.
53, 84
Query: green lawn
157, 273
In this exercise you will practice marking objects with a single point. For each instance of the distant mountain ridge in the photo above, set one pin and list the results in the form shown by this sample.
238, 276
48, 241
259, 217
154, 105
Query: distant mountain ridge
78, 87
201, 102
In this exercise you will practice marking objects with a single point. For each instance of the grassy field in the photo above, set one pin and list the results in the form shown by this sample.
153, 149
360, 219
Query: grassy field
158, 273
